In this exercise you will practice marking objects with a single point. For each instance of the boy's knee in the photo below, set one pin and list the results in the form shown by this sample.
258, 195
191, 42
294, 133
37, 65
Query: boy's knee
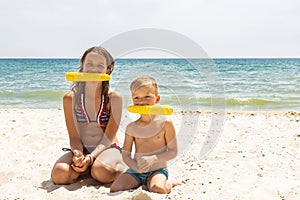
159, 189
115, 188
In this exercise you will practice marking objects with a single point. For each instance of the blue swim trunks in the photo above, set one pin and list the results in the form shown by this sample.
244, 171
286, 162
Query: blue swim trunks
142, 178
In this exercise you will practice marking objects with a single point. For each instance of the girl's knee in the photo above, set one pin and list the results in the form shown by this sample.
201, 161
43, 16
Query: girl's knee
61, 174
103, 173
58, 178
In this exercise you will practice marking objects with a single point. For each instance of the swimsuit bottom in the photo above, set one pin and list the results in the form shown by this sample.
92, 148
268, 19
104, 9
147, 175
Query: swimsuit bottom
87, 151
142, 178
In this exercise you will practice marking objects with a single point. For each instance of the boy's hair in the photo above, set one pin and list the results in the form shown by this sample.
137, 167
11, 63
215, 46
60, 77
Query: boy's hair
143, 81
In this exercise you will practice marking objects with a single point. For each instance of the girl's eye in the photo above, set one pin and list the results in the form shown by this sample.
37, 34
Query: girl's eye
89, 65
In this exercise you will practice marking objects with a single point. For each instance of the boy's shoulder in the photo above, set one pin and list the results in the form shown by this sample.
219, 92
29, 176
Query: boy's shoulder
131, 124
168, 121
135, 130
131, 129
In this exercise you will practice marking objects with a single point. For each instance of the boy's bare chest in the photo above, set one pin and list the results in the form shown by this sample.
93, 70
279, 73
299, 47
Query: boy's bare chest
148, 144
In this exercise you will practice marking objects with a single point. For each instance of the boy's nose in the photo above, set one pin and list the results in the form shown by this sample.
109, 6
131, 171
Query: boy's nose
141, 101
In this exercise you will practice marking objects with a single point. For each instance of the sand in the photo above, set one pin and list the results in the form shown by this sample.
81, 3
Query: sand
255, 156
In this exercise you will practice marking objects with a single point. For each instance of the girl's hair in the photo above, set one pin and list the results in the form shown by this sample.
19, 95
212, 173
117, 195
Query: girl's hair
142, 81
78, 87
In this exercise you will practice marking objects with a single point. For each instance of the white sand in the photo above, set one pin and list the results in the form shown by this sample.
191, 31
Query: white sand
257, 156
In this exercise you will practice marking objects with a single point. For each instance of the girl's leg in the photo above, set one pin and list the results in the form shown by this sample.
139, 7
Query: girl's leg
62, 172
158, 183
108, 165
124, 182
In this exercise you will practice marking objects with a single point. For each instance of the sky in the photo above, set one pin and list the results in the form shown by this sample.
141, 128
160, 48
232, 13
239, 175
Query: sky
223, 28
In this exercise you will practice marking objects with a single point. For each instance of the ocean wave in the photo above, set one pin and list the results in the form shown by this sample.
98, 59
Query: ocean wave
250, 101
225, 101
193, 102
41, 94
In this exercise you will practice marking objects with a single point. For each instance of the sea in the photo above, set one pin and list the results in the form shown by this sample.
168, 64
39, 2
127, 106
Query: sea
266, 84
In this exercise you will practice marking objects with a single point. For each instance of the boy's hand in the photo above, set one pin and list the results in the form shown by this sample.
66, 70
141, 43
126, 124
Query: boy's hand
144, 163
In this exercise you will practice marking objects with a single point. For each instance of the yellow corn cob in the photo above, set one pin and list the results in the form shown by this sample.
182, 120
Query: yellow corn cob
151, 110
81, 76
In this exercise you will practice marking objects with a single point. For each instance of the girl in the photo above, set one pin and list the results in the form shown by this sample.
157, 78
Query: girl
92, 114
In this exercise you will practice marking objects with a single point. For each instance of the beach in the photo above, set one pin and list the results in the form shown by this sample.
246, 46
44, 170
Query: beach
256, 156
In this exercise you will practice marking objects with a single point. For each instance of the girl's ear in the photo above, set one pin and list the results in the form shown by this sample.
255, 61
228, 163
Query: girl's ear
157, 98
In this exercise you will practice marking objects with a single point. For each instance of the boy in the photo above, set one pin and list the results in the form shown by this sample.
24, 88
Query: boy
155, 143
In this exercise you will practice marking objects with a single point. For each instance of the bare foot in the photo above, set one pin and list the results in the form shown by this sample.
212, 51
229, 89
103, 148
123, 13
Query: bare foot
175, 183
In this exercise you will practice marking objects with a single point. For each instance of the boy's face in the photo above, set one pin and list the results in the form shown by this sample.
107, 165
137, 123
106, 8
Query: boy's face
145, 96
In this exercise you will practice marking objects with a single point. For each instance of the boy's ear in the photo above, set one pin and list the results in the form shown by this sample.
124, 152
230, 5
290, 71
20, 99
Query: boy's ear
157, 98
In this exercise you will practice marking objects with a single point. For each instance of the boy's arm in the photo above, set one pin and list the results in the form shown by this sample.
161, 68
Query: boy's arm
126, 152
171, 143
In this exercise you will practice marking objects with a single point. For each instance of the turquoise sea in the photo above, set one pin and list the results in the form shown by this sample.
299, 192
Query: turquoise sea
242, 84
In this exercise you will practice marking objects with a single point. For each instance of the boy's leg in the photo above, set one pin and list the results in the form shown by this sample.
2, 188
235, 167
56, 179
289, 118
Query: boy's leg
124, 182
158, 183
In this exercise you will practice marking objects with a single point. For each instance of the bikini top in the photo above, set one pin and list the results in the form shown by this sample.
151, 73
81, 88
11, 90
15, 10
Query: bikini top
83, 117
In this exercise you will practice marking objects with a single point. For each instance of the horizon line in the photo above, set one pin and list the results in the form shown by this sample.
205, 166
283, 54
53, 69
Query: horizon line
284, 57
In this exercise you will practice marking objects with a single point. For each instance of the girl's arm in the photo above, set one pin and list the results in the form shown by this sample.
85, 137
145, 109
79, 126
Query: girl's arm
75, 142
112, 125
80, 163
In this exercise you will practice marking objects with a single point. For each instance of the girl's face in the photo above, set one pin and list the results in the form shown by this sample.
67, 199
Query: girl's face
94, 63
145, 96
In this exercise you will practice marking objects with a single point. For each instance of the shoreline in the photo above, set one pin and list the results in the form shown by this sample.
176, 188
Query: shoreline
204, 111
255, 156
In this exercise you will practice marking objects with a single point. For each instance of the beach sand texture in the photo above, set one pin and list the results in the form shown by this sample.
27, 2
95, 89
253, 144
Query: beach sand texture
257, 156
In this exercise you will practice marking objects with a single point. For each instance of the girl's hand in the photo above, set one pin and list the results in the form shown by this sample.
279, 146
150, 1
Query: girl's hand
144, 163
83, 166
78, 157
